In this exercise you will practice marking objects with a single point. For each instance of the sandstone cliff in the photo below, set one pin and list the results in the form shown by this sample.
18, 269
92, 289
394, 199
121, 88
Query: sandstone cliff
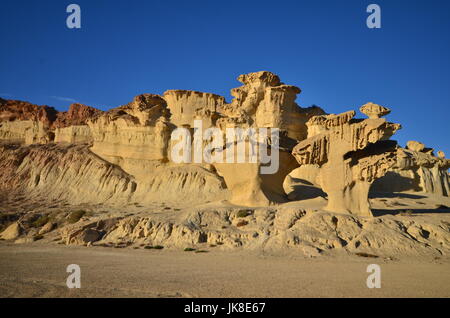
336, 156
118, 165
25, 123
11, 110
417, 169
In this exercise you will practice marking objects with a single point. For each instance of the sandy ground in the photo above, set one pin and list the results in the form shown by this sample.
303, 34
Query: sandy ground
39, 270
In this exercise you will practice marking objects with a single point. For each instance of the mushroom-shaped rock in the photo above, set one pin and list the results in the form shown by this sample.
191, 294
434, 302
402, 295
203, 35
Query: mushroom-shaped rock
350, 155
415, 146
374, 111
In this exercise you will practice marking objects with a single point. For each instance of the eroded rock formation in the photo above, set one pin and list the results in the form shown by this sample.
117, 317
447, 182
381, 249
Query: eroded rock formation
12, 110
417, 169
25, 123
263, 101
186, 106
22, 122
71, 126
78, 114
133, 132
136, 136
131, 148
351, 154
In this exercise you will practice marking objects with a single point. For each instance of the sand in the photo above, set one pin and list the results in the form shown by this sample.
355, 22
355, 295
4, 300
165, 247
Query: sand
39, 270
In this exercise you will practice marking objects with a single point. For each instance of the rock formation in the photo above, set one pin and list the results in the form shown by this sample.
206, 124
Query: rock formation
11, 110
77, 115
119, 166
351, 154
262, 102
25, 123
12, 232
417, 169
74, 134
71, 126
136, 131
374, 111
136, 136
185, 106
415, 146
127, 151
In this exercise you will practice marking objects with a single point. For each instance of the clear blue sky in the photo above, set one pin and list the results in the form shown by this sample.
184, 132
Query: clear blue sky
126, 48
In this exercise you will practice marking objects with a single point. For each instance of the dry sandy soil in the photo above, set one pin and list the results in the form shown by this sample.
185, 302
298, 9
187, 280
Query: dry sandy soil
39, 270
254, 269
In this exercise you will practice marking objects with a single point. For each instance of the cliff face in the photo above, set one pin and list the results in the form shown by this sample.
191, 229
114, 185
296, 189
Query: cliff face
138, 134
134, 134
25, 123
61, 172
78, 114
417, 169
73, 174
185, 106
16, 110
263, 101
129, 152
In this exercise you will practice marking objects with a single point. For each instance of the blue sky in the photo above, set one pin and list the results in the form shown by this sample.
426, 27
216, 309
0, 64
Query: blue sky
126, 48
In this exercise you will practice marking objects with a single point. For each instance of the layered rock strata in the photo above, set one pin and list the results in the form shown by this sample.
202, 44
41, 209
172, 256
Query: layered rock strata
25, 123
336, 156
350, 154
418, 170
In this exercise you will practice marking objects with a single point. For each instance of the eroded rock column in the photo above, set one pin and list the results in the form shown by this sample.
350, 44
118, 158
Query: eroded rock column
351, 154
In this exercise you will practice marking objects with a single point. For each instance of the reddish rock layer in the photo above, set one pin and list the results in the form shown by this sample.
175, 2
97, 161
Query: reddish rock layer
78, 114
19, 110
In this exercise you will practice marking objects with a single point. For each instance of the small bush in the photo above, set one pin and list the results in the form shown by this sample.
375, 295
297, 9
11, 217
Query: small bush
244, 213
41, 221
75, 216
201, 251
156, 247
189, 249
362, 254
